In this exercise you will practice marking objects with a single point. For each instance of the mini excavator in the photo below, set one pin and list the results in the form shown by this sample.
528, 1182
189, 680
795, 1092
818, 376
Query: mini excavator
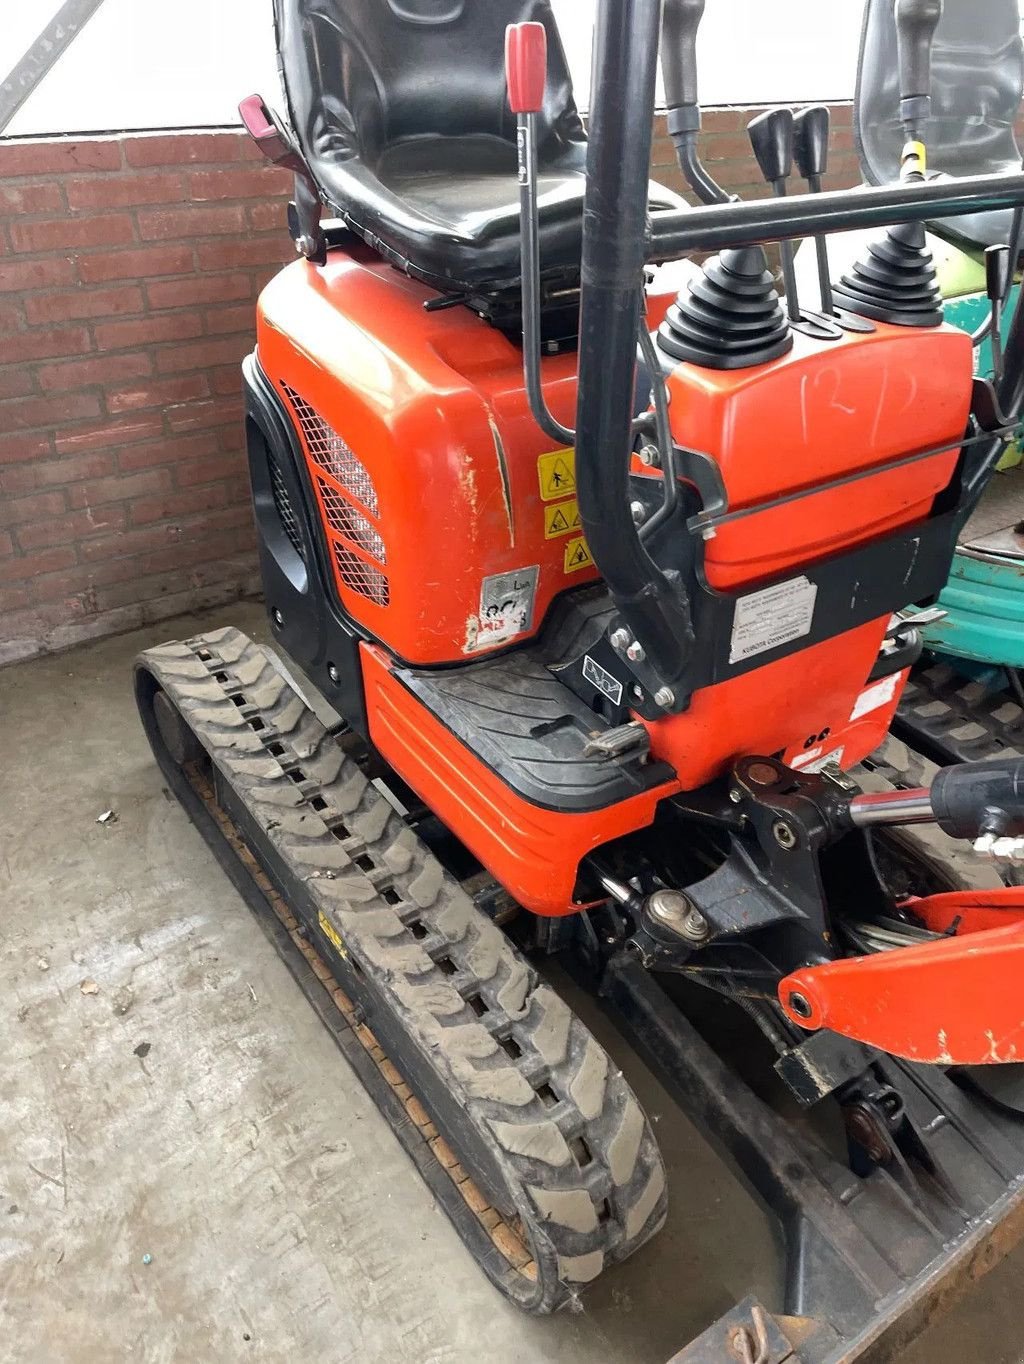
600, 600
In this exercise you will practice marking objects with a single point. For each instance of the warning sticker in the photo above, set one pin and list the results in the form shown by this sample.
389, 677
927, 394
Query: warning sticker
602, 679
577, 555
835, 756
331, 933
561, 518
878, 694
557, 474
506, 606
771, 617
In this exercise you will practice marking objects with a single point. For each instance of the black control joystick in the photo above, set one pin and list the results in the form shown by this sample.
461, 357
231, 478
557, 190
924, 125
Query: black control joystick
916, 22
810, 148
771, 137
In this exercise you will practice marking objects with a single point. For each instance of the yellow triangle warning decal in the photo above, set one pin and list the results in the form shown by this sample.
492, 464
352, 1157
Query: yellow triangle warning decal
557, 474
561, 518
577, 555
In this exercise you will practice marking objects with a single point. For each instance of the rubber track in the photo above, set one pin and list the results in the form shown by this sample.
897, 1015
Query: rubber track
958, 720
525, 1100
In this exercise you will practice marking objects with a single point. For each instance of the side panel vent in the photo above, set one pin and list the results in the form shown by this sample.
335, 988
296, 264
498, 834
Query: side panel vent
342, 481
283, 503
326, 449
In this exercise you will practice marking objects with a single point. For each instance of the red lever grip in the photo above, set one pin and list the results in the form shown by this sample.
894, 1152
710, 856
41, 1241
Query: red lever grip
526, 66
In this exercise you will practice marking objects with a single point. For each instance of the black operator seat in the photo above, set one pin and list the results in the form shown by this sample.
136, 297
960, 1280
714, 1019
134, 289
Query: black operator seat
977, 80
401, 110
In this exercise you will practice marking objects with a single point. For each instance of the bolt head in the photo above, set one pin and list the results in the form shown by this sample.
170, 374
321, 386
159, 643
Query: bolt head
784, 835
664, 697
277, 617
650, 455
332, 673
620, 639
636, 652
637, 512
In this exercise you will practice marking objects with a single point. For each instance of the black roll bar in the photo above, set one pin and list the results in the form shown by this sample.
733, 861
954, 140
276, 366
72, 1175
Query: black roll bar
619, 238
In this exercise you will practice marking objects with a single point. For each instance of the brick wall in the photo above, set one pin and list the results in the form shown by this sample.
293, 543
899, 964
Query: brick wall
129, 269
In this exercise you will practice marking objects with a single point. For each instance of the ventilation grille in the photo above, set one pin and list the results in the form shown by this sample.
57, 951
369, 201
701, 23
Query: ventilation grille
355, 543
346, 520
283, 503
329, 451
360, 576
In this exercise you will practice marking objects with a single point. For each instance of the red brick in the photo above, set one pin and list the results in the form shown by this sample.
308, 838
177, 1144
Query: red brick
16, 479
140, 264
15, 449
227, 467
119, 488
203, 354
110, 433
35, 274
64, 234
168, 451
146, 331
149, 538
42, 345
38, 156
30, 198
71, 304
28, 566
168, 224
149, 509
157, 393
269, 217
12, 316
16, 382
124, 191
93, 464
220, 411
231, 255
179, 149
242, 318
24, 509
201, 289
254, 182
23, 413
71, 527
99, 370
6, 544
227, 379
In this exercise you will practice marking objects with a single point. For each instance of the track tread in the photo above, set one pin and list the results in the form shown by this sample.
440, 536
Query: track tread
564, 1130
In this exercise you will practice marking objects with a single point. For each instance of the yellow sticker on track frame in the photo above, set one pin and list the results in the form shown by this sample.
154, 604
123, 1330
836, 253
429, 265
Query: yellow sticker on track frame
577, 555
331, 933
561, 518
556, 472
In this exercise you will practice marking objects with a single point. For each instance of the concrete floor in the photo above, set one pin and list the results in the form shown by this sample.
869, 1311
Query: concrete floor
193, 1110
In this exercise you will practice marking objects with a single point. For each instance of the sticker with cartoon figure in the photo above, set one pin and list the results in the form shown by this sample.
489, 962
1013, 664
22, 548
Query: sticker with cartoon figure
577, 555
506, 606
561, 518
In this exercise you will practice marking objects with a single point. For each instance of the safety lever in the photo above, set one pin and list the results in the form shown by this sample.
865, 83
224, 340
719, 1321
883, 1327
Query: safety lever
680, 22
526, 66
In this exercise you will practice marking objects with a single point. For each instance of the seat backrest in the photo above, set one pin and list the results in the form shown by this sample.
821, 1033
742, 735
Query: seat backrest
361, 75
977, 78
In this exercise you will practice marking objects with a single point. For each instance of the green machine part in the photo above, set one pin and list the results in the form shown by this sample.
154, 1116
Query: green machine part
984, 598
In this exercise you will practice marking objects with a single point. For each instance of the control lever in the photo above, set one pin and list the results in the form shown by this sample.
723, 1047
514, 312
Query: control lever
916, 22
998, 279
526, 67
680, 22
276, 144
810, 148
771, 137
983, 801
